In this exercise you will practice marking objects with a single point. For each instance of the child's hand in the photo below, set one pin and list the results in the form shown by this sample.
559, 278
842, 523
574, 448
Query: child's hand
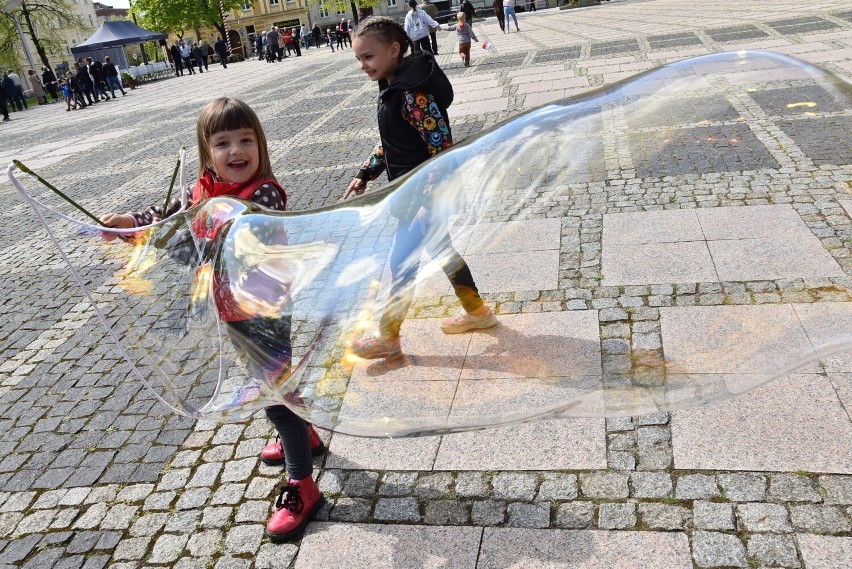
356, 186
118, 220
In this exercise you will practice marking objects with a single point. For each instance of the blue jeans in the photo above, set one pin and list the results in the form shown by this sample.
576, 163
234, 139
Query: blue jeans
510, 11
113, 84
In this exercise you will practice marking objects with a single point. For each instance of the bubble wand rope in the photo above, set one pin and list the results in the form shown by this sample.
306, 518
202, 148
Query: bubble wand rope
174, 177
186, 410
18, 164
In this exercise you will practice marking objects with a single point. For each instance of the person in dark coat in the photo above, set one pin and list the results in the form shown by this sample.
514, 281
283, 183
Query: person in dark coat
17, 92
111, 74
4, 110
96, 72
84, 82
197, 57
258, 46
222, 51
176, 59
48, 79
10, 91
501, 17
469, 12
317, 33
205, 54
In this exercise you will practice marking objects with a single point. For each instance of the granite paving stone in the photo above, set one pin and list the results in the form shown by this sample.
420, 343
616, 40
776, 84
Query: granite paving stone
694, 221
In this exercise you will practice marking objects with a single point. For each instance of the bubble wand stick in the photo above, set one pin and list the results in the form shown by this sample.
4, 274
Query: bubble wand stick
174, 177
56, 190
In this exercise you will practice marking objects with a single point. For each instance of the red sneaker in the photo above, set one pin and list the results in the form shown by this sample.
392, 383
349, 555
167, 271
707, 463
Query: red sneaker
296, 505
273, 453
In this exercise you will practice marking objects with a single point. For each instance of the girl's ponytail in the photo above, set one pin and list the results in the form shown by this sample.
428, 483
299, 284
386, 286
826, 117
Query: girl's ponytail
388, 30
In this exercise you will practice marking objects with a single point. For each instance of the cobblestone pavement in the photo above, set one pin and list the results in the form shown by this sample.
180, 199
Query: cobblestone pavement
94, 473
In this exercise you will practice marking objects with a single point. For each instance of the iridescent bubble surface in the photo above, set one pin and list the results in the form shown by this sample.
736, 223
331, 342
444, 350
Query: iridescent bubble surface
606, 307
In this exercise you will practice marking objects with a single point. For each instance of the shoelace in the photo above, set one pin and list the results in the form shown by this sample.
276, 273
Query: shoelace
290, 498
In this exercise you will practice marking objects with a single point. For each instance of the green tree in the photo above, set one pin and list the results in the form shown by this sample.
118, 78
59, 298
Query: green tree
40, 19
178, 15
356, 6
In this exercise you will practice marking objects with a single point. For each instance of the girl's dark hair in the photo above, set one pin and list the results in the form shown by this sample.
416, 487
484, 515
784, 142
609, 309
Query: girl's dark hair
387, 30
229, 114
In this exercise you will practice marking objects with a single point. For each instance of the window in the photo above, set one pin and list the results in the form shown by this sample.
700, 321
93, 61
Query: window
391, 3
273, 2
341, 12
246, 5
323, 11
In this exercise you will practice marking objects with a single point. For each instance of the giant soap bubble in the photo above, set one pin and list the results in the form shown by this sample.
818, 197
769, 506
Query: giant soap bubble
610, 232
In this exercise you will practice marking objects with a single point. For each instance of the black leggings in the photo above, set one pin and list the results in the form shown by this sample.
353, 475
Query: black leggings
265, 342
404, 263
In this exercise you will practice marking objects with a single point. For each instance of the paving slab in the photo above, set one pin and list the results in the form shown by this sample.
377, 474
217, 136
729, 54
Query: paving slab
514, 271
545, 344
392, 546
734, 339
824, 552
507, 548
560, 444
657, 263
796, 255
381, 453
793, 423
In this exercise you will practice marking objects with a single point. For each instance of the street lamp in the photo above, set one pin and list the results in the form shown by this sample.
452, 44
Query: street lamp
14, 5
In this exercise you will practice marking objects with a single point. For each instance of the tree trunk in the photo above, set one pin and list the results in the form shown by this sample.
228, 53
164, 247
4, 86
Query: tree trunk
41, 53
354, 11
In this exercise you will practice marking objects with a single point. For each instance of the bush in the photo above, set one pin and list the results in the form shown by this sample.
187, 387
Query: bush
579, 4
234, 57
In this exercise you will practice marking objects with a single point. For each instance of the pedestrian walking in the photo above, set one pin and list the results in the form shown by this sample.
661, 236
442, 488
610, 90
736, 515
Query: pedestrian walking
343, 32
84, 82
4, 101
413, 98
205, 54
221, 48
48, 79
234, 161
465, 33
469, 12
196, 55
316, 32
432, 10
417, 26
509, 10
177, 60
18, 92
38, 88
186, 56
501, 17
111, 74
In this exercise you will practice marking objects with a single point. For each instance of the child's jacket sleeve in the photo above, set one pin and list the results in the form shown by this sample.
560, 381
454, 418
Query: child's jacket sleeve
421, 111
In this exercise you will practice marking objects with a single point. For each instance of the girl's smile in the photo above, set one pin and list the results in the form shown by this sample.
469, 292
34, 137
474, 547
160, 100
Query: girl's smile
235, 155
378, 59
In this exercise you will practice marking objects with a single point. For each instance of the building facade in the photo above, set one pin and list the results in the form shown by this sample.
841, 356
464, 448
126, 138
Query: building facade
61, 57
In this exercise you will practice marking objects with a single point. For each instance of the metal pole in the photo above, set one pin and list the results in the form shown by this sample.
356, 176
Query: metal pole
24, 41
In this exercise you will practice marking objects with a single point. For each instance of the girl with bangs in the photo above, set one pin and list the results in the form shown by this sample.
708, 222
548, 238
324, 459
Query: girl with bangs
414, 94
233, 160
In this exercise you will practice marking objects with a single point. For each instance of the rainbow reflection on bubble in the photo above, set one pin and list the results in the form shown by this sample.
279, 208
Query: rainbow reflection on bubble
555, 211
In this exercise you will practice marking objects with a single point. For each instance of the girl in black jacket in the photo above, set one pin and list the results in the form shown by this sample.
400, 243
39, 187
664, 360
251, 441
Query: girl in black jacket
413, 124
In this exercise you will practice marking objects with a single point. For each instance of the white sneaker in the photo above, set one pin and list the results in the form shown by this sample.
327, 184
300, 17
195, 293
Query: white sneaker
377, 347
465, 321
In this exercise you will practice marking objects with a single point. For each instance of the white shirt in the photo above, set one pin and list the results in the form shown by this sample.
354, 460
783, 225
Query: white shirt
509, 3
417, 24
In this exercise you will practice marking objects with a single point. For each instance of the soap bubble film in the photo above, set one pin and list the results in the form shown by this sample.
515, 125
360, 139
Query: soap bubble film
198, 304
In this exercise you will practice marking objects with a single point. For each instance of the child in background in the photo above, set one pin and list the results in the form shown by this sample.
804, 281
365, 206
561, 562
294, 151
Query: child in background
234, 161
413, 100
465, 34
65, 85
